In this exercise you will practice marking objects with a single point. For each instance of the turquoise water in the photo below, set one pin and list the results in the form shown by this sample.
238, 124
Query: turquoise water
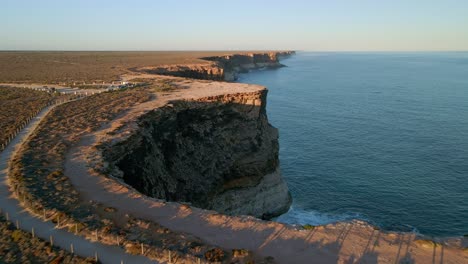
381, 137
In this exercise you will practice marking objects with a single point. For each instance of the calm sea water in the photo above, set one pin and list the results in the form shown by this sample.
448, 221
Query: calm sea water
381, 137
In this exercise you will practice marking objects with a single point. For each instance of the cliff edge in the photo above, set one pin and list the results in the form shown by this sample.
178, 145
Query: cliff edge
215, 152
221, 68
199, 136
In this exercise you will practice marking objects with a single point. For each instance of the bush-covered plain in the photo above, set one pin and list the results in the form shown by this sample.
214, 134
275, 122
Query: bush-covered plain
38, 178
16, 106
86, 66
17, 246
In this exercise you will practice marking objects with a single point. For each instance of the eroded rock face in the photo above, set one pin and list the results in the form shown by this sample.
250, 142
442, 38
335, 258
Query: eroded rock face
217, 153
222, 68
209, 71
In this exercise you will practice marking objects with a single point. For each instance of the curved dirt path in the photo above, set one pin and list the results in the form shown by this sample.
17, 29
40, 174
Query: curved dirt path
10, 206
354, 242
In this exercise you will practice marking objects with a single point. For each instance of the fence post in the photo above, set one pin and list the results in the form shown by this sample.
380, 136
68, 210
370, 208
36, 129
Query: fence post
51, 240
32, 231
96, 256
71, 248
142, 249
17, 224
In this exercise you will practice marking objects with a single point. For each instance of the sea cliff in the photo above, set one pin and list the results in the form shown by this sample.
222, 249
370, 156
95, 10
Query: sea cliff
222, 68
180, 139
217, 152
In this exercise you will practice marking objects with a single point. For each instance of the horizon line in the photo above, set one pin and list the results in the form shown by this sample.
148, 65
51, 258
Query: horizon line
217, 50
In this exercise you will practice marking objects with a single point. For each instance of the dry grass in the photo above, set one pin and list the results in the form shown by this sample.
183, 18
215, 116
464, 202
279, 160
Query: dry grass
17, 246
157, 85
38, 178
45, 151
38, 167
16, 106
56, 67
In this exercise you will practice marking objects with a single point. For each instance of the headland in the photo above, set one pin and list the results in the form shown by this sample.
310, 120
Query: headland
189, 159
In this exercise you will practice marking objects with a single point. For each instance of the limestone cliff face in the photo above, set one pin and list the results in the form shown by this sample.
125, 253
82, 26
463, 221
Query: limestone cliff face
217, 153
223, 68
239, 63
209, 71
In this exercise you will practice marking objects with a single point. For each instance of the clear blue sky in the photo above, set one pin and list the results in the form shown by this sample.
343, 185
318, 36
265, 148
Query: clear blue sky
233, 25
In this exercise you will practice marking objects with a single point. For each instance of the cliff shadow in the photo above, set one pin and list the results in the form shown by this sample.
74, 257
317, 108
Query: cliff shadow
317, 246
218, 153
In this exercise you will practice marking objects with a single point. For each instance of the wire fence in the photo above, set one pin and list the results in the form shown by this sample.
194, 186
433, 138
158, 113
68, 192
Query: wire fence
166, 255
67, 97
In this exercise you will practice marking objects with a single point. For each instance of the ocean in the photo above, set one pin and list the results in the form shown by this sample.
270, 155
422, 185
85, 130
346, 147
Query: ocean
380, 137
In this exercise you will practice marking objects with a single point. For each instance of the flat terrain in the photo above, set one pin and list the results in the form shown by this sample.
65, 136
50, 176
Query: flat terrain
52, 175
46, 186
59, 129
44, 228
17, 246
16, 106
79, 66
347, 242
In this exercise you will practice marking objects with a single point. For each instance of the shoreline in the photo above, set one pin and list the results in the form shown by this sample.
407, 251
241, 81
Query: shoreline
340, 242
280, 56
209, 223
435, 238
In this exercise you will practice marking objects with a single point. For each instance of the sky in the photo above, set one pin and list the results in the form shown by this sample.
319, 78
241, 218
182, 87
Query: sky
315, 25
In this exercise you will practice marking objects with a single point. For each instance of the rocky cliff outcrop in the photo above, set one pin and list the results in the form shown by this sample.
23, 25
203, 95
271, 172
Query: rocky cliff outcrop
222, 68
207, 71
216, 152
241, 63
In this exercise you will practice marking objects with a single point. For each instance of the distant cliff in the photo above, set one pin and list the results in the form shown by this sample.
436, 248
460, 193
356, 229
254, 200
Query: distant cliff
217, 152
222, 68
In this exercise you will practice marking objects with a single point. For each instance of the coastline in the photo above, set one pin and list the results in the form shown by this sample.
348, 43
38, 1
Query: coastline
413, 240
221, 68
340, 242
397, 225
355, 217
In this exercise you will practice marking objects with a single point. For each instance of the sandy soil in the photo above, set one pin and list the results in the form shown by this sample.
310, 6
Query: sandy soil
45, 229
353, 242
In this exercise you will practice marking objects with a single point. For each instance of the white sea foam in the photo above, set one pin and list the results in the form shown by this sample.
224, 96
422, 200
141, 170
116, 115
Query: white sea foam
302, 217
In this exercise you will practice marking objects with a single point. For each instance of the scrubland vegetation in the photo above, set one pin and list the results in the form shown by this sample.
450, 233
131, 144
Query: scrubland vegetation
157, 85
80, 66
16, 106
17, 246
39, 181
43, 155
